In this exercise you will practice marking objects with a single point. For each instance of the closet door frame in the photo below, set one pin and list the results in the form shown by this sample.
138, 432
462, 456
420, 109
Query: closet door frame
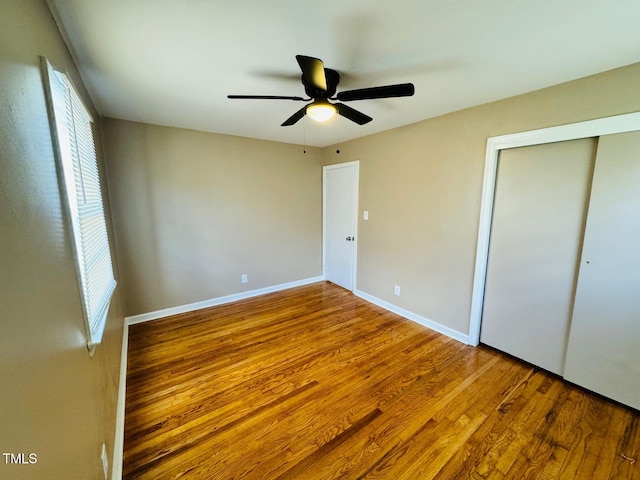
592, 128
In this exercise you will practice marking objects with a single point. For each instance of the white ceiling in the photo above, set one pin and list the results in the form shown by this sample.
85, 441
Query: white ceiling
172, 62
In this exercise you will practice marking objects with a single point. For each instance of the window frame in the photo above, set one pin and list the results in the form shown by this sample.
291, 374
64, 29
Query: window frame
78, 174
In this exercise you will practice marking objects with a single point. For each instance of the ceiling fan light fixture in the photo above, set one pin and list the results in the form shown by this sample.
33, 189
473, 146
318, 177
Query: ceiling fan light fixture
320, 85
321, 111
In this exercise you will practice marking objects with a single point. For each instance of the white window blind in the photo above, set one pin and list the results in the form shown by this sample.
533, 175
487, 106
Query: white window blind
80, 181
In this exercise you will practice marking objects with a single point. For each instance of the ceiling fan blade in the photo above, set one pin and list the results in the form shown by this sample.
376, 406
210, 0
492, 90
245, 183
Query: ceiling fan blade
312, 72
387, 91
266, 97
352, 114
295, 117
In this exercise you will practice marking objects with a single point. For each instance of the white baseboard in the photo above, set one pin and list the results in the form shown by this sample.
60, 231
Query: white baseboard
167, 312
425, 322
118, 443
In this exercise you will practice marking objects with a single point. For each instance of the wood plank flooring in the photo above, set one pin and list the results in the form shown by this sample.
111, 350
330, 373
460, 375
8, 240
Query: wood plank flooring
315, 383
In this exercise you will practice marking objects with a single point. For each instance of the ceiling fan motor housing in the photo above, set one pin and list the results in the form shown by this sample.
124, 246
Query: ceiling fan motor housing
333, 78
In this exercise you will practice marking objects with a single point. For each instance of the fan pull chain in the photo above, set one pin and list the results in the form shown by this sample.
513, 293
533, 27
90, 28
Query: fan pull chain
304, 135
337, 134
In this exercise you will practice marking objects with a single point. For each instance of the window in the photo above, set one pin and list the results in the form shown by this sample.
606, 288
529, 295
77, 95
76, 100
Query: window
71, 126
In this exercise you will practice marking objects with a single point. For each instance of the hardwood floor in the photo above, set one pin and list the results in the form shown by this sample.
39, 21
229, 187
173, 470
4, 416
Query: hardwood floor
315, 383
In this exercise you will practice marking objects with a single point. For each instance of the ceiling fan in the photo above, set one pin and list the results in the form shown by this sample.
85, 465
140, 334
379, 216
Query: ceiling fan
320, 85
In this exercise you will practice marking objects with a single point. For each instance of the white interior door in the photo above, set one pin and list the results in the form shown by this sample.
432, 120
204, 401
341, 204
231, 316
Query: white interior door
603, 354
536, 236
340, 223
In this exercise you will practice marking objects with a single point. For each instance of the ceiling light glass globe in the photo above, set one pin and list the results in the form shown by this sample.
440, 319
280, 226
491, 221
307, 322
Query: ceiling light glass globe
321, 112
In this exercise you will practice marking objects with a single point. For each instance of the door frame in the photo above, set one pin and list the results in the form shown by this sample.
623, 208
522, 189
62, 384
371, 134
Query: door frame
592, 128
356, 186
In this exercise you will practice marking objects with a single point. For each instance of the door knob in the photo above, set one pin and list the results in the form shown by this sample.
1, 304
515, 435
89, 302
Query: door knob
349, 239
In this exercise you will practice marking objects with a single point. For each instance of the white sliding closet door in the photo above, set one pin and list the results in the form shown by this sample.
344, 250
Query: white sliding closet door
604, 347
536, 236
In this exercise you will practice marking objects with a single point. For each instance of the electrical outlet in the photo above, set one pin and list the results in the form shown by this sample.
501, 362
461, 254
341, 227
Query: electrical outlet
396, 290
245, 278
105, 461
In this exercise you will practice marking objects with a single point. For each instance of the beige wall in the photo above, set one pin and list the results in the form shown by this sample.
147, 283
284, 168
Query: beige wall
422, 187
194, 211
55, 401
